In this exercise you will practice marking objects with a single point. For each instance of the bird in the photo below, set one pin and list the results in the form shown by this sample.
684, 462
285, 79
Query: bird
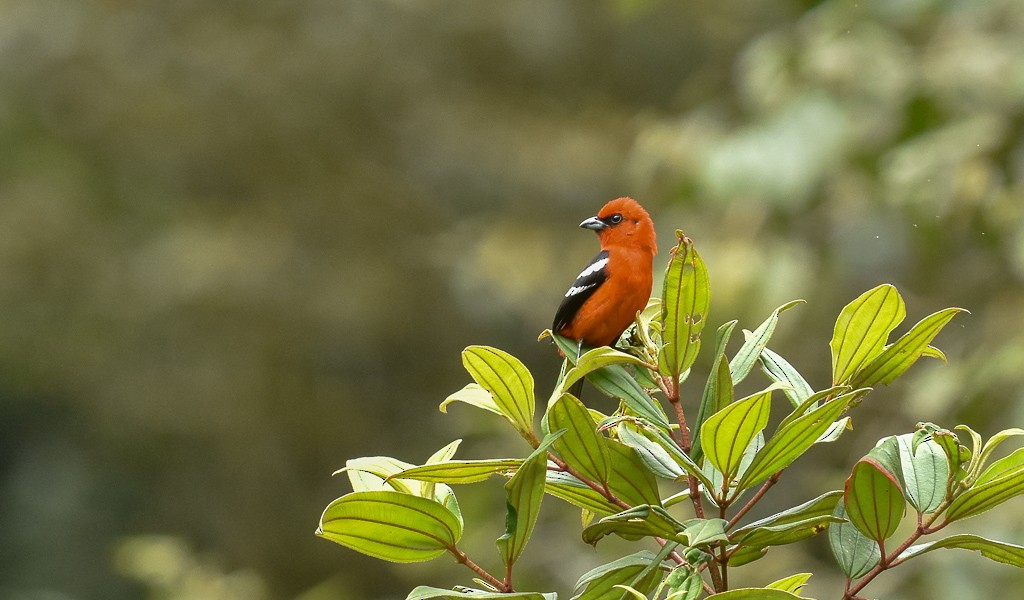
616, 284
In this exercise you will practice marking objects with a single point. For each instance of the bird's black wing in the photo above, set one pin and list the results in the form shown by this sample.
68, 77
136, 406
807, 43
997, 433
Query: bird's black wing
587, 282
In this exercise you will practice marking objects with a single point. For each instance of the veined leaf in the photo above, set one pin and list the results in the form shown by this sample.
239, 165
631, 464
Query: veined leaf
755, 342
474, 395
795, 438
425, 592
855, 552
570, 489
791, 525
685, 302
581, 447
391, 526
862, 329
616, 382
629, 479
594, 359
925, 472
641, 571
754, 594
793, 583
728, 432
635, 523
779, 370
681, 459
455, 472
1004, 479
654, 456
507, 379
718, 391
683, 583
874, 500
1010, 554
375, 474
700, 532
904, 352
524, 493
994, 441
822, 506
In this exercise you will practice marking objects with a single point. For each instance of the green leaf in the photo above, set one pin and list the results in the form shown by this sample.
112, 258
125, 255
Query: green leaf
390, 526
794, 438
681, 459
855, 552
425, 592
925, 472
641, 571
754, 594
723, 491
874, 501
374, 474
728, 432
779, 370
816, 509
683, 583
524, 493
685, 302
1010, 554
700, 532
862, 329
616, 382
1004, 479
786, 533
630, 480
654, 456
474, 395
748, 354
793, 583
456, 472
594, 359
570, 489
633, 524
994, 441
745, 555
582, 448
718, 391
904, 352
507, 379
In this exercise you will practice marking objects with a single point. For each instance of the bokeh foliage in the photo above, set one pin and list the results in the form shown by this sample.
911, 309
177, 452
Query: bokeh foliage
230, 230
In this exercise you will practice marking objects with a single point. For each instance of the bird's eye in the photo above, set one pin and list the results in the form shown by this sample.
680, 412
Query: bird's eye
615, 219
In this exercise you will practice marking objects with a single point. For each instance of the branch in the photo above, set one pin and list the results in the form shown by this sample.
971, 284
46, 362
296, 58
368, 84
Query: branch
754, 500
502, 586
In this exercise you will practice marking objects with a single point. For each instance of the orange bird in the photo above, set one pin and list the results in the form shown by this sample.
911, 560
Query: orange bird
615, 284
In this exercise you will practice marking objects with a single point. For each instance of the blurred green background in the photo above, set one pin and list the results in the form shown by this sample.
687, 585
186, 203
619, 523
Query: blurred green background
242, 242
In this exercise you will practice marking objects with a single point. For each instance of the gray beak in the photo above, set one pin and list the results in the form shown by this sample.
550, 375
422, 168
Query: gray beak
594, 223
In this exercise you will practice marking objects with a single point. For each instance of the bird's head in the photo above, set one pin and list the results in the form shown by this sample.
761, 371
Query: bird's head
624, 223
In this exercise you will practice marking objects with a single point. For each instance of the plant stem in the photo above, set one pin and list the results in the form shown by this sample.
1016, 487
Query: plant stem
754, 500
502, 586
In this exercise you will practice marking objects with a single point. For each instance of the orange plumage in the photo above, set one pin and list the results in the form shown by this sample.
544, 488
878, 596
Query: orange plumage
616, 284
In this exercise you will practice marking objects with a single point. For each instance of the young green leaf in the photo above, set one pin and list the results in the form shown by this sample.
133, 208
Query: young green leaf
795, 438
635, 523
728, 432
425, 592
754, 594
994, 441
630, 480
793, 583
700, 532
904, 352
524, 493
862, 329
473, 395
748, 354
1010, 554
641, 571
855, 552
581, 447
685, 302
616, 382
455, 472
925, 472
874, 500
669, 445
390, 526
654, 456
376, 473
570, 489
594, 359
683, 583
507, 379
779, 370
718, 393
1004, 479
815, 509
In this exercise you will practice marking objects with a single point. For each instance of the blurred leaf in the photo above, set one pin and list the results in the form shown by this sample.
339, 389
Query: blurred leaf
507, 379
641, 571
524, 493
874, 501
904, 352
424, 592
795, 438
754, 594
685, 302
748, 354
728, 432
780, 371
581, 447
718, 391
1010, 554
474, 395
793, 583
855, 552
390, 526
861, 330
925, 472
461, 471
1003, 480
